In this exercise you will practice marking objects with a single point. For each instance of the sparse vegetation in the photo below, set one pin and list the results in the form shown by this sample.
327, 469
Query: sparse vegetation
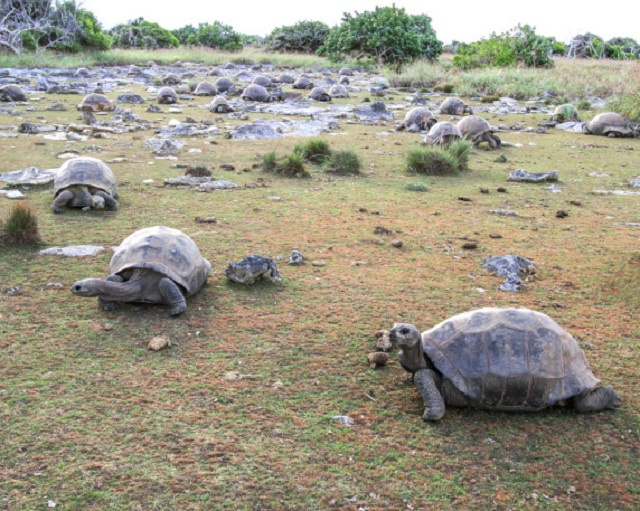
292, 165
314, 150
629, 106
269, 161
439, 160
416, 187
344, 163
20, 227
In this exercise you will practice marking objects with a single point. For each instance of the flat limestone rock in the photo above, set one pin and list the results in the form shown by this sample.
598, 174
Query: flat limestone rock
614, 192
204, 183
165, 147
13, 194
512, 267
572, 126
29, 176
522, 175
73, 251
253, 268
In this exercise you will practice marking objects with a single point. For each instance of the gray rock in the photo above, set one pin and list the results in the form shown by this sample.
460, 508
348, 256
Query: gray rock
296, 258
13, 194
205, 183
376, 111
504, 212
165, 147
253, 268
29, 176
532, 177
635, 183
512, 284
512, 267
73, 251
134, 99
56, 106
573, 126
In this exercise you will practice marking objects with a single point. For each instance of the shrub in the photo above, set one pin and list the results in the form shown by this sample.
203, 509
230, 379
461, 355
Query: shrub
439, 160
292, 166
489, 99
447, 88
140, 33
303, 37
314, 150
344, 163
460, 150
269, 161
629, 106
416, 187
216, 35
21, 226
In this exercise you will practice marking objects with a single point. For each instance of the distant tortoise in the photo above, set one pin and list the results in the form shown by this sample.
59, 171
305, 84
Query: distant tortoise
499, 359
255, 92
265, 81
12, 93
167, 96
84, 183
611, 124
82, 72
220, 105
338, 91
303, 82
224, 84
345, 71
171, 79
422, 118
286, 78
455, 106
442, 133
206, 89
320, 94
153, 265
477, 130
96, 103
565, 113
344, 80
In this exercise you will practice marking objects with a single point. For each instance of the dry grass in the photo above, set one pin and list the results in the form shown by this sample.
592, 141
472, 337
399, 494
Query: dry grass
94, 420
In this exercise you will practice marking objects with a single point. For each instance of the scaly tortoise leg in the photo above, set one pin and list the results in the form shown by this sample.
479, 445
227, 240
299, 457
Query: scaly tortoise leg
172, 296
61, 201
109, 305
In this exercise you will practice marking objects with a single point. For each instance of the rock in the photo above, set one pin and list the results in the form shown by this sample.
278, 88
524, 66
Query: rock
13, 194
484, 190
470, 245
397, 243
382, 231
296, 258
253, 268
575, 127
522, 175
575, 202
635, 183
158, 343
376, 111
561, 214
56, 106
29, 176
165, 147
465, 199
504, 212
512, 284
206, 220
614, 192
511, 267
73, 251
347, 421
501, 189
384, 341
377, 359
318, 263
203, 183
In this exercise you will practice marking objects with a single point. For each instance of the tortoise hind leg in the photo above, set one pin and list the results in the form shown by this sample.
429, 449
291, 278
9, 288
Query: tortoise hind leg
600, 398
61, 201
172, 296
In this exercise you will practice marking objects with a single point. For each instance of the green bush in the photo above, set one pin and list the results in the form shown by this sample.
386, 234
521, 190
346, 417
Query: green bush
629, 106
439, 160
447, 88
292, 166
314, 150
139, 33
303, 37
416, 187
387, 35
216, 35
269, 161
344, 163
489, 99
184, 33
21, 226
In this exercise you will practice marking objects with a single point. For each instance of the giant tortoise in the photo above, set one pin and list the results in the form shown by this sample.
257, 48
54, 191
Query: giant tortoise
86, 183
611, 124
499, 359
153, 265
477, 130
12, 92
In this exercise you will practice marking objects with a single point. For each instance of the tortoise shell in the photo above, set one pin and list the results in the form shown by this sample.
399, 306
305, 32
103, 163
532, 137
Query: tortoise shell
303, 82
454, 106
608, 122
320, 94
421, 116
96, 103
338, 91
255, 92
265, 81
12, 92
219, 104
165, 250
508, 359
85, 171
167, 95
443, 132
224, 84
206, 89
473, 126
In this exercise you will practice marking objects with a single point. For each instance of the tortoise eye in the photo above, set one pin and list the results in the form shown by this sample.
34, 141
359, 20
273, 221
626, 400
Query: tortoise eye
404, 331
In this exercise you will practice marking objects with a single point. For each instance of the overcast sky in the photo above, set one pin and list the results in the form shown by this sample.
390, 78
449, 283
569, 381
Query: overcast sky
463, 20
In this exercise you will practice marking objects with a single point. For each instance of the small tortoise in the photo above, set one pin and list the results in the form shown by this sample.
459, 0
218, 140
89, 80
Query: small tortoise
286, 78
455, 106
499, 359
153, 265
171, 79
320, 94
345, 71
255, 92
12, 93
96, 103
442, 133
206, 89
84, 183
611, 124
303, 82
220, 105
338, 91
420, 118
167, 96
265, 81
224, 84
477, 130
565, 113
82, 72
344, 80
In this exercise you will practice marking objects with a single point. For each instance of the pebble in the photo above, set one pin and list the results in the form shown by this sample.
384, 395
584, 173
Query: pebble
397, 243
318, 262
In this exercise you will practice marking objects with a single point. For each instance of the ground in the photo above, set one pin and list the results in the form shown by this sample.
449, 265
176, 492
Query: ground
237, 414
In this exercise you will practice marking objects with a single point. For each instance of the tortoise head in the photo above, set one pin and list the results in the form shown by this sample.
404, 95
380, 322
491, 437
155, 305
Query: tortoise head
467, 110
406, 336
86, 287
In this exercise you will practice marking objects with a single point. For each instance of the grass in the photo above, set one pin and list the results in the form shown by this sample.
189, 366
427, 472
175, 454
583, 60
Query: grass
628, 105
91, 419
20, 227
436, 160
344, 163
314, 150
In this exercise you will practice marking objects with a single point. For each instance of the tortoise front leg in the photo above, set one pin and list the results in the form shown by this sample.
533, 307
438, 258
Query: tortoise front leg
61, 201
108, 305
172, 296
426, 382
109, 203
494, 141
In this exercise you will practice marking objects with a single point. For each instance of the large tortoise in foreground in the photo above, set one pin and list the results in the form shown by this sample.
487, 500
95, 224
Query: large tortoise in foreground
153, 265
611, 124
86, 183
499, 359
12, 92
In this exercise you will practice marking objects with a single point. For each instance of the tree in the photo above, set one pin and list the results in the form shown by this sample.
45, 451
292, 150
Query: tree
183, 34
216, 35
388, 35
90, 35
303, 37
37, 24
140, 33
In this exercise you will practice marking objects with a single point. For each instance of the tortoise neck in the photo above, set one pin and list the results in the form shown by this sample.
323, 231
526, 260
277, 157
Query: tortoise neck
129, 291
414, 357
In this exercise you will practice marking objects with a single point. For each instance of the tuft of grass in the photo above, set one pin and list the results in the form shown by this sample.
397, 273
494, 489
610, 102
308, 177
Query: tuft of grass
292, 165
315, 150
416, 187
439, 160
628, 105
21, 226
344, 163
584, 105
447, 88
269, 161
489, 99
197, 171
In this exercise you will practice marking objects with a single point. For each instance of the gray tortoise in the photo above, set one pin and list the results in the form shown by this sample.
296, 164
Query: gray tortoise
86, 183
320, 94
455, 106
611, 124
442, 133
418, 119
477, 130
224, 84
256, 92
167, 96
220, 105
303, 82
499, 359
206, 89
338, 91
96, 103
265, 81
12, 92
153, 265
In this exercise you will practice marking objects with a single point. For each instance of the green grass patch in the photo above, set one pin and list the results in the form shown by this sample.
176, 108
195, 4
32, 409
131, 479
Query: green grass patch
314, 150
629, 106
434, 160
20, 227
344, 163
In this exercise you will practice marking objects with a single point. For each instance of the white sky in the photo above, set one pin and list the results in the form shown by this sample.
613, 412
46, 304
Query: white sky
463, 20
